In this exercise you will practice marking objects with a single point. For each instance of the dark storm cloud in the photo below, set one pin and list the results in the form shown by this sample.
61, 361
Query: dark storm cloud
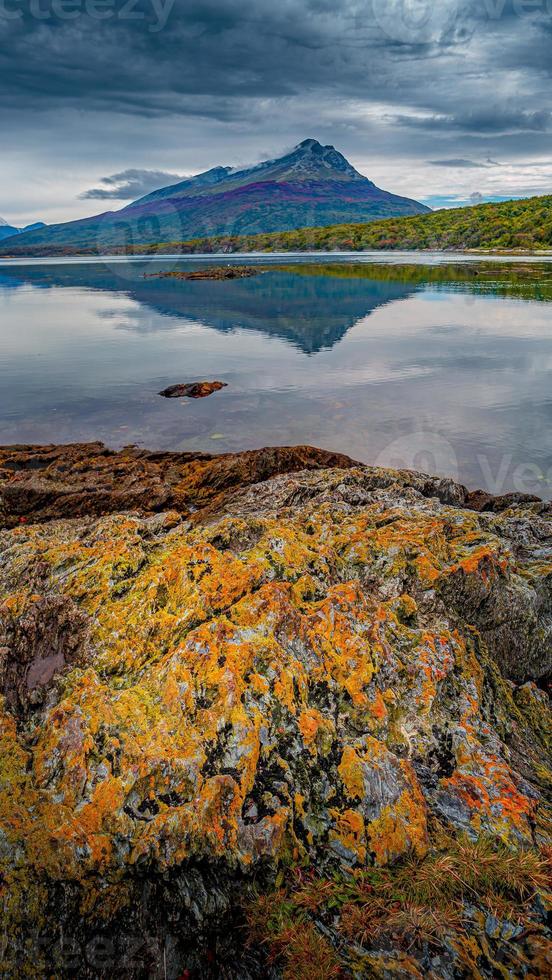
163, 55
130, 184
417, 79
488, 120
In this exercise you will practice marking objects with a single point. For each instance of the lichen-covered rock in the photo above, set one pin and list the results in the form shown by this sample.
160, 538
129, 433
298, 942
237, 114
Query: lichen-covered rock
315, 671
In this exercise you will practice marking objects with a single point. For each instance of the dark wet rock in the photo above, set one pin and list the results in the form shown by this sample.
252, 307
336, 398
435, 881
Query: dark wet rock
196, 389
39, 483
481, 501
50, 634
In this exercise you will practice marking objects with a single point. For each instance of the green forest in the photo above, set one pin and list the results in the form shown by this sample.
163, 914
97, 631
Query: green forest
511, 226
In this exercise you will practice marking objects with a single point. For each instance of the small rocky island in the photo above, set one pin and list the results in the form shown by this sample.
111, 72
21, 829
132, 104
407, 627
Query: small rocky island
271, 715
211, 272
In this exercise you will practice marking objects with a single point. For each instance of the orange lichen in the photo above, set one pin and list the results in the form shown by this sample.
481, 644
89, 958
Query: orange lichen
379, 707
486, 786
351, 771
348, 830
317, 730
252, 692
427, 571
400, 827
484, 561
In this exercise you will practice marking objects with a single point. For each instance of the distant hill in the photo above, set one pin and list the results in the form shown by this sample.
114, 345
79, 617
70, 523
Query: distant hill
8, 231
313, 185
524, 225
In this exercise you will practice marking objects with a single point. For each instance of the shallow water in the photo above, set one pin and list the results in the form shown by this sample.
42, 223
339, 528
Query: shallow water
409, 361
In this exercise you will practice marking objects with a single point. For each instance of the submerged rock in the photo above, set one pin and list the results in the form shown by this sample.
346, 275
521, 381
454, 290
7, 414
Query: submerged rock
197, 389
324, 670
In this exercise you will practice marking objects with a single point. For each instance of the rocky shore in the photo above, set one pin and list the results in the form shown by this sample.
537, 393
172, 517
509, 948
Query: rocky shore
270, 715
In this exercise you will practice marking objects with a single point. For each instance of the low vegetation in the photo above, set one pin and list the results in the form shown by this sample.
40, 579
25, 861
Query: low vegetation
461, 891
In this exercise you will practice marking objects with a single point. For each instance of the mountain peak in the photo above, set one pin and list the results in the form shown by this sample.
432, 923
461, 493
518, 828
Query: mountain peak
9, 231
312, 155
308, 143
315, 146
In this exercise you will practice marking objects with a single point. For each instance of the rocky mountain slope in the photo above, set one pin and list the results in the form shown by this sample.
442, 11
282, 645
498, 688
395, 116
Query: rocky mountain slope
270, 715
311, 185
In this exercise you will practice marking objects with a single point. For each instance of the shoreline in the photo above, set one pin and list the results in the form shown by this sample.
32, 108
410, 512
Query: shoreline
47, 482
160, 255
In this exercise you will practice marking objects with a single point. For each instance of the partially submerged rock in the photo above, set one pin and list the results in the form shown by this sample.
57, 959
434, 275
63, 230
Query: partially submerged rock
196, 389
325, 670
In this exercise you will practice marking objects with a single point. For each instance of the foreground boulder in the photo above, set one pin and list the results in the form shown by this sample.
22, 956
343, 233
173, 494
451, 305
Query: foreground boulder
290, 693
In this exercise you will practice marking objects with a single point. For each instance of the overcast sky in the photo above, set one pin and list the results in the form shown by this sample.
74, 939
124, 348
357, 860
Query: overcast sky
103, 100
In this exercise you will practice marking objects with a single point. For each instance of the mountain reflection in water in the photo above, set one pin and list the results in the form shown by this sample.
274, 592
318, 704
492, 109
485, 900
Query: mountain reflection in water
444, 367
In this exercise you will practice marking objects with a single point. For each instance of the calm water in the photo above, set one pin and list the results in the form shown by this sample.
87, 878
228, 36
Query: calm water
410, 361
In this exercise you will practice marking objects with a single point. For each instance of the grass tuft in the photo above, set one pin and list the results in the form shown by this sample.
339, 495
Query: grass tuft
291, 939
415, 904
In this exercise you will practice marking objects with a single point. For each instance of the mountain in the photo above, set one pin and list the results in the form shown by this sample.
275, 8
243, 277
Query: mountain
8, 231
310, 186
33, 227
